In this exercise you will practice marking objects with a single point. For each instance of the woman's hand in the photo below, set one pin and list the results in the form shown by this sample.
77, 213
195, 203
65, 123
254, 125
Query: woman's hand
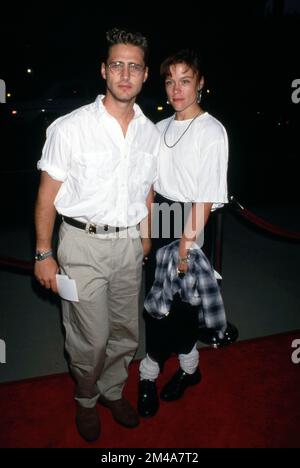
146, 244
182, 266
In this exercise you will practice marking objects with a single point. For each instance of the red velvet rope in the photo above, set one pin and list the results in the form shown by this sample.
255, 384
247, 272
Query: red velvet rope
263, 224
16, 263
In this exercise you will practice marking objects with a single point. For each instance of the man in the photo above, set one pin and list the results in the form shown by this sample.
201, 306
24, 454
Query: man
98, 165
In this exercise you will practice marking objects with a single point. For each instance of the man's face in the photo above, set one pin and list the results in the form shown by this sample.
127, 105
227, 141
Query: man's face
124, 72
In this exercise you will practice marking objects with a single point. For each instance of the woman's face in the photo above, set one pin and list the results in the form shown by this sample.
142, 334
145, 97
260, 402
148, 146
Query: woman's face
182, 85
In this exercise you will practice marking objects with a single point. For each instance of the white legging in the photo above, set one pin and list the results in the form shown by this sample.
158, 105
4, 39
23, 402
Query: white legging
149, 369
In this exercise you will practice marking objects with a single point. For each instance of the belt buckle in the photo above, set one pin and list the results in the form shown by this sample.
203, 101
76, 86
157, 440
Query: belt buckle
91, 228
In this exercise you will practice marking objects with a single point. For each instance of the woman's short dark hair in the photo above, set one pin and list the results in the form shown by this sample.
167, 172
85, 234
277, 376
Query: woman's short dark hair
187, 56
122, 36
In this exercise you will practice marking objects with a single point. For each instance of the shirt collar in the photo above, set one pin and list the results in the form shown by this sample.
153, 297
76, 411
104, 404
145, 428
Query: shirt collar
138, 113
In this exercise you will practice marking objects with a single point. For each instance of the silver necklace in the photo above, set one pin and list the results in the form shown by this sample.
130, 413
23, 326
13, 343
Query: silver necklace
165, 133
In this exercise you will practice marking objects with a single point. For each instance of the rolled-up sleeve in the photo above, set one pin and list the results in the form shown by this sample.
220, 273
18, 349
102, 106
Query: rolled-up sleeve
212, 176
56, 154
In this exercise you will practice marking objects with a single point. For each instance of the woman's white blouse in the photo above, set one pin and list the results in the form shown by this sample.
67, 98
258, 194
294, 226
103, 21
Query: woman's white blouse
195, 169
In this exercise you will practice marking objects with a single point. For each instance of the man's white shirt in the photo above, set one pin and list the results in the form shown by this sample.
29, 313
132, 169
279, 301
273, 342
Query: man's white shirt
106, 176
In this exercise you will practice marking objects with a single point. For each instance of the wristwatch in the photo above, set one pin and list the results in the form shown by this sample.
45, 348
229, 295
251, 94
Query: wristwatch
39, 256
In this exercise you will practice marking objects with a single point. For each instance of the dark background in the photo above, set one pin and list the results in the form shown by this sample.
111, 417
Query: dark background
250, 55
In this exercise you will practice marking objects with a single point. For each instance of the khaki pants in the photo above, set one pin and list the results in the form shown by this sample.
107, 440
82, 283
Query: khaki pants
102, 328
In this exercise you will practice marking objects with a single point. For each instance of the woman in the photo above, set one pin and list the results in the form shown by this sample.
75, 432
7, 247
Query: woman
192, 173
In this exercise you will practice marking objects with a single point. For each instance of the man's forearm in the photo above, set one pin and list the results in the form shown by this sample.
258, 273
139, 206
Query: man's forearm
45, 212
44, 223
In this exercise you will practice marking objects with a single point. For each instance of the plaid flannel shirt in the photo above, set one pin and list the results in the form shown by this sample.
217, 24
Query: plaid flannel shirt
198, 287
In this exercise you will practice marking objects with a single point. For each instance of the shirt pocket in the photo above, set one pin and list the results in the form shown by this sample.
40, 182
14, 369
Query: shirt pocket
94, 169
98, 163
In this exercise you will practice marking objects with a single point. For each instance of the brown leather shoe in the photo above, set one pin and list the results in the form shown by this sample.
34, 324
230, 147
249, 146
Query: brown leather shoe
88, 423
122, 411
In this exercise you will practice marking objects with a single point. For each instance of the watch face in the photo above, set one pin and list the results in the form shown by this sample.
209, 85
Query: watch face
41, 255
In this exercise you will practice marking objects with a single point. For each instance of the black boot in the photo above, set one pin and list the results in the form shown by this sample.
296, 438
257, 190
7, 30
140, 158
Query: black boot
148, 402
175, 388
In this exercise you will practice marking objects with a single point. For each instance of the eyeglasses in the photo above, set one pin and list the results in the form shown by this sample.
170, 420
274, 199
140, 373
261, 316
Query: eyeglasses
118, 67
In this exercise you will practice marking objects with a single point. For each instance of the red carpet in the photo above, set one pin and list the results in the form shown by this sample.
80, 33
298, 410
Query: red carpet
249, 397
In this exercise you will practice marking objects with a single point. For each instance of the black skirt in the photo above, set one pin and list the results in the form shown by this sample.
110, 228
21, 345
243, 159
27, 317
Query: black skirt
177, 332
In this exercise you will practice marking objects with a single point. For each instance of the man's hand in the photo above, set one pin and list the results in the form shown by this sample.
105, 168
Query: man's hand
45, 272
146, 244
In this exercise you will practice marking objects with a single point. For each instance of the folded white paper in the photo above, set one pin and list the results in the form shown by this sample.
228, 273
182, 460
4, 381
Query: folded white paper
67, 288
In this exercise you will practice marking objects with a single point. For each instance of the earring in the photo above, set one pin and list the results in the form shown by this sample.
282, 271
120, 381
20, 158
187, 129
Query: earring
167, 102
199, 95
